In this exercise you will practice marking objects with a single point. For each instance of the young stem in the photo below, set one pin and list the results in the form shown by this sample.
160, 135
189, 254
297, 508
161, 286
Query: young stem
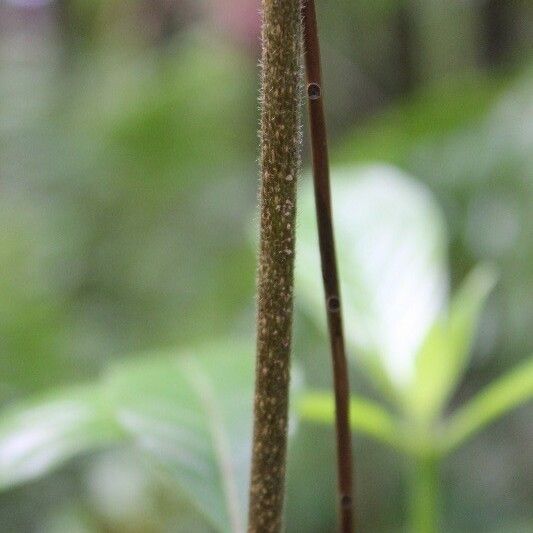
425, 495
280, 162
329, 265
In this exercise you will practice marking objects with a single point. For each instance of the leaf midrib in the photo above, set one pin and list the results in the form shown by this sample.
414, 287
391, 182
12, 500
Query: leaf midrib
202, 386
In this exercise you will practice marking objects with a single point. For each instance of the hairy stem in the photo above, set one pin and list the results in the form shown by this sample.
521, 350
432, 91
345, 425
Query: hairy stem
329, 265
280, 162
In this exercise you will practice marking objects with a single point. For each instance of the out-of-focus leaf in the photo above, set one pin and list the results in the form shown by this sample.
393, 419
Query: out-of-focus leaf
190, 411
365, 415
391, 242
444, 354
430, 115
509, 391
32, 314
194, 414
155, 112
46, 433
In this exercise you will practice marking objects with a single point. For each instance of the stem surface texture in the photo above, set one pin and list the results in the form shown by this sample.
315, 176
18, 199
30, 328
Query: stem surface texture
280, 162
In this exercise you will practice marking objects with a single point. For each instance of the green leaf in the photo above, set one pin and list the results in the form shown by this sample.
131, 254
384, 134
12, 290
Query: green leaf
429, 116
365, 416
190, 411
391, 243
445, 353
497, 399
194, 415
136, 106
44, 434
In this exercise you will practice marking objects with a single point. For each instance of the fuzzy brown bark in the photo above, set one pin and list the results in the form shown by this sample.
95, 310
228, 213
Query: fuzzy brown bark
280, 162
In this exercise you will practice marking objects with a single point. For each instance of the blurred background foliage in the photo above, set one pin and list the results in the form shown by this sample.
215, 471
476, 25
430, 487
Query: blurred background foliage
128, 182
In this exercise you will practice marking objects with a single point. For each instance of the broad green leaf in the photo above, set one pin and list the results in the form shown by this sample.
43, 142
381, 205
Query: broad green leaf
445, 352
190, 411
497, 399
391, 243
44, 434
365, 416
194, 415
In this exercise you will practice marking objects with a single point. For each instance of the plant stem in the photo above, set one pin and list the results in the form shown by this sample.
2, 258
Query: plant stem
329, 265
280, 163
425, 495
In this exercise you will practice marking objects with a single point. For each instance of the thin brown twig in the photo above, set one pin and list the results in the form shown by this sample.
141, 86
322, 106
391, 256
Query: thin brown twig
321, 180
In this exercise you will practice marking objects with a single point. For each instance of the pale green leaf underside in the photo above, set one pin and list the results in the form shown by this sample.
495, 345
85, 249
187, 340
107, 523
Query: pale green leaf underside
445, 352
46, 433
190, 412
391, 243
